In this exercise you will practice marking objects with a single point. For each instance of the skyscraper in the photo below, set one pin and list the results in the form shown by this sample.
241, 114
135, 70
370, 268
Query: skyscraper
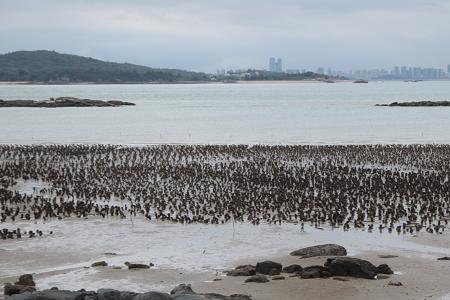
396, 71
272, 65
448, 71
275, 65
279, 65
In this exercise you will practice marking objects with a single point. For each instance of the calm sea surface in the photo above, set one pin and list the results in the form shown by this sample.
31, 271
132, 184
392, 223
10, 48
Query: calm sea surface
293, 113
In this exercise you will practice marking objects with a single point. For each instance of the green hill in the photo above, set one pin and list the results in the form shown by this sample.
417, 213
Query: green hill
50, 66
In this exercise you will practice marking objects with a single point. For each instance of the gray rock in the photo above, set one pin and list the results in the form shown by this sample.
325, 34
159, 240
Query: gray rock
292, 269
136, 266
387, 256
14, 289
245, 270
191, 297
384, 269
274, 272
26, 279
278, 277
418, 103
395, 283
267, 266
200, 297
257, 278
182, 289
349, 266
444, 258
312, 273
320, 250
110, 294
99, 264
56, 295
153, 296
63, 102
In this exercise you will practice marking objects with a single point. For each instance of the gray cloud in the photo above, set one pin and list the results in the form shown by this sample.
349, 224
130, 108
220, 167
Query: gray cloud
206, 35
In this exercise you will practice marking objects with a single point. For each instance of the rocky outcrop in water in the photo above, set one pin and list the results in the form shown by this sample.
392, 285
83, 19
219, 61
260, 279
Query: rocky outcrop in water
63, 102
418, 104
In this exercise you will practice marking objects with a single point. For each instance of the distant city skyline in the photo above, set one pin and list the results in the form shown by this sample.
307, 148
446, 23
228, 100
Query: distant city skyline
397, 72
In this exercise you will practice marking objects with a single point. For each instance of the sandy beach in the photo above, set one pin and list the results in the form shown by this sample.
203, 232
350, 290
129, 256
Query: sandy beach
64, 260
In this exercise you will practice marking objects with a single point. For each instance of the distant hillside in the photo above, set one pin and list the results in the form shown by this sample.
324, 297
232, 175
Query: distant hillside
50, 66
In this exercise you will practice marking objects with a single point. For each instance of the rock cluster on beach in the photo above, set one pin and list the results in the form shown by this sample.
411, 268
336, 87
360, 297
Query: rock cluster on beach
63, 102
418, 104
181, 292
334, 266
337, 267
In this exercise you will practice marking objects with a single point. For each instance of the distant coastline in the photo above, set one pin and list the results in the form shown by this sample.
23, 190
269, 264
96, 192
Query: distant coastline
173, 82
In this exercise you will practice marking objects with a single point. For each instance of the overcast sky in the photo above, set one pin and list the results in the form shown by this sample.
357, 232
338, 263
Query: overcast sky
210, 35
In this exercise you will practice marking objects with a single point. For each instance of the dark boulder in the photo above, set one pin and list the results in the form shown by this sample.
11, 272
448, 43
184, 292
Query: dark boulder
274, 272
153, 296
56, 295
292, 269
99, 264
137, 266
444, 258
312, 272
257, 278
27, 280
182, 289
245, 270
349, 266
110, 294
315, 273
320, 250
384, 269
267, 266
14, 289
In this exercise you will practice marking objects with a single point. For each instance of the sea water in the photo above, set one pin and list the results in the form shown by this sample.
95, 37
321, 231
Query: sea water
268, 113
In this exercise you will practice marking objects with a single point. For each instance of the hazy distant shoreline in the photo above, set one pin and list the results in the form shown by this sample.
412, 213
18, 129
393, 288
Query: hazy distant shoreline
176, 82
191, 82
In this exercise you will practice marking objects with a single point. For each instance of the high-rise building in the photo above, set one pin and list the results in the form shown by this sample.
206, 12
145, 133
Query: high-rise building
279, 65
275, 65
448, 71
396, 71
320, 71
272, 65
